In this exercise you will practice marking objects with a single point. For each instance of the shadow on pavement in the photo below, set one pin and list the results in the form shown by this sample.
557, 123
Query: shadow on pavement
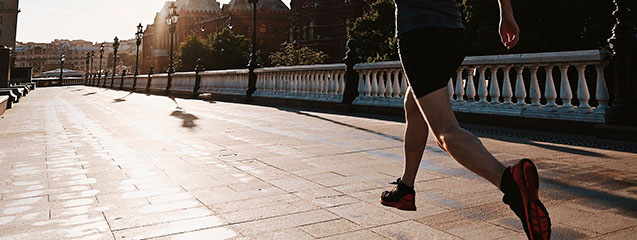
189, 119
595, 198
91, 93
297, 111
121, 99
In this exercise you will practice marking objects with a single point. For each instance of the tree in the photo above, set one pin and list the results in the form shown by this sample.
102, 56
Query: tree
292, 56
229, 50
375, 32
193, 48
546, 26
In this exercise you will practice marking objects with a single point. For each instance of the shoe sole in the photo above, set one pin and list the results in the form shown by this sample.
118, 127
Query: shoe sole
537, 217
402, 204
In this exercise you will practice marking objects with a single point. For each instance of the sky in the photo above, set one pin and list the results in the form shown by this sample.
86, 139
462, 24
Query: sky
92, 20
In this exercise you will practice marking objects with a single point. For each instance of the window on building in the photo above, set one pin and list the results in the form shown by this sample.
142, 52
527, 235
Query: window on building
1, 5
0, 19
263, 28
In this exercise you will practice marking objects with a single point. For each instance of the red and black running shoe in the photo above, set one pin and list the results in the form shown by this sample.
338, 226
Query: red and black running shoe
402, 197
527, 205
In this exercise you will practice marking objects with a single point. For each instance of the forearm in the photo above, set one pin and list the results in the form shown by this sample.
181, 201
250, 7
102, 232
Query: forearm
505, 8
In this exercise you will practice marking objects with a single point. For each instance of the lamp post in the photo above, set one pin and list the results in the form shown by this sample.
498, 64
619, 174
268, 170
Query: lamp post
62, 58
91, 73
99, 73
623, 45
139, 34
115, 47
252, 64
171, 20
88, 60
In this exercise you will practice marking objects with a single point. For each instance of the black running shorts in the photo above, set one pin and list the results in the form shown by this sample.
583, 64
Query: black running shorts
430, 56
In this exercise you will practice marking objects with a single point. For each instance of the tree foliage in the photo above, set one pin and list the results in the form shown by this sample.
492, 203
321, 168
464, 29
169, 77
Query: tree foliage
193, 48
292, 56
221, 50
374, 31
545, 25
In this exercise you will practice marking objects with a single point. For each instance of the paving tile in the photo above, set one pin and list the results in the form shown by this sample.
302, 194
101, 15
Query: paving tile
366, 215
411, 230
330, 228
169, 228
283, 222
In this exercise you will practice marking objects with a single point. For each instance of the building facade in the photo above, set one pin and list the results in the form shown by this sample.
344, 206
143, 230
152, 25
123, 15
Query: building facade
323, 24
205, 17
44, 57
8, 22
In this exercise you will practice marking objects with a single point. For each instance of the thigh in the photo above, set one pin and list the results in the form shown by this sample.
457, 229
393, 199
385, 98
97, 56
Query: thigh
437, 112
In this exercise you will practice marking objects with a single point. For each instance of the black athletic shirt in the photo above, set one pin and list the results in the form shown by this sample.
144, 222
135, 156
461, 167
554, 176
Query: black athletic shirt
414, 14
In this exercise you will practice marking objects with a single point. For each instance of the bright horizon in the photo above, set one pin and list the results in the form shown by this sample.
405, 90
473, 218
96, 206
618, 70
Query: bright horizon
43, 21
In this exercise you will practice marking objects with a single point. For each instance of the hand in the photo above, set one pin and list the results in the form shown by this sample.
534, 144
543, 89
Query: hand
509, 31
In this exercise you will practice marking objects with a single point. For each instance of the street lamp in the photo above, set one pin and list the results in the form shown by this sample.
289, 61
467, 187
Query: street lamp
115, 47
252, 64
623, 44
62, 58
92, 54
171, 20
88, 60
139, 34
99, 73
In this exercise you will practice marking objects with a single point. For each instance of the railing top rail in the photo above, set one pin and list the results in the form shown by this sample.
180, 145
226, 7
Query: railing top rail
228, 71
315, 67
524, 58
184, 73
160, 75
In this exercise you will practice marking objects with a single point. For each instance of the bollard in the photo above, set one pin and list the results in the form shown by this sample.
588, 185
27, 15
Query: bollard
351, 76
121, 83
5, 66
150, 78
198, 68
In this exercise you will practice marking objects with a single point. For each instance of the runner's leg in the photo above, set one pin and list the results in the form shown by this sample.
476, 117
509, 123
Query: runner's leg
416, 133
463, 146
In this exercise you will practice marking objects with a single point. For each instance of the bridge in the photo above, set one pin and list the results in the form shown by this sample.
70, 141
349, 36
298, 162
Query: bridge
100, 163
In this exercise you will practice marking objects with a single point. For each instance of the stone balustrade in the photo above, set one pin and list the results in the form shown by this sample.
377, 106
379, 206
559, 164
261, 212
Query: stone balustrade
128, 82
159, 82
234, 81
555, 85
324, 82
507, 85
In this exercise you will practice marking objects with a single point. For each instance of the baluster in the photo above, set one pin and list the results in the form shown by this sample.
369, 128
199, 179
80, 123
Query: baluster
342, 82
459, 85
450, 89
396, 84
520, 88
507, 91
403, 84
361, 83
471, 89
482, 86
535, 92
602, 90
374, 81
549, 90
389, 88
332, 83
565, 90
583, 95
494, 88
381, 83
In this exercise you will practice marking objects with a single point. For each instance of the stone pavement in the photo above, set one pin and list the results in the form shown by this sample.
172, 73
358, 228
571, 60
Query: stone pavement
82, 162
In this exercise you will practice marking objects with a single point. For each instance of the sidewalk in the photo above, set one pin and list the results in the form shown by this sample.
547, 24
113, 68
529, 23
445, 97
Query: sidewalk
83, 162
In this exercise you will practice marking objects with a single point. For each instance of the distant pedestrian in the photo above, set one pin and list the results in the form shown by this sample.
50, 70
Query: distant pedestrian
432, 45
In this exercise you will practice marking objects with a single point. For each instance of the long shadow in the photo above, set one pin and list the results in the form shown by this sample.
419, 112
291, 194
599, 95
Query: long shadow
395, 138
88, 94
77, 90
595, 198
121, 99
188, 119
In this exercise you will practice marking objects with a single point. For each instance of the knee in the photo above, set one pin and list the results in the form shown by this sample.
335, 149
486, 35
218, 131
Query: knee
447, 137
